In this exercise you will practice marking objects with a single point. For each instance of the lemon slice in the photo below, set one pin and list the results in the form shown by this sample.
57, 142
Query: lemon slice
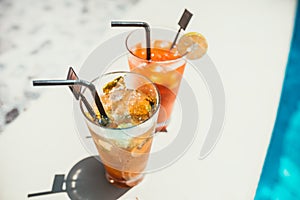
193, 45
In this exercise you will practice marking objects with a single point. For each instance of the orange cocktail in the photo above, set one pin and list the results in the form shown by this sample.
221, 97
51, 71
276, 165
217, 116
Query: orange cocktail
131, 102
165, 68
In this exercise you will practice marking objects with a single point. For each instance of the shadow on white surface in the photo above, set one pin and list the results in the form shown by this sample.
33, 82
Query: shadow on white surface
86, 180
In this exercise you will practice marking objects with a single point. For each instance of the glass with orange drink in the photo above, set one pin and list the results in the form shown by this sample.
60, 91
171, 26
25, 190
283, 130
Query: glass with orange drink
165, 68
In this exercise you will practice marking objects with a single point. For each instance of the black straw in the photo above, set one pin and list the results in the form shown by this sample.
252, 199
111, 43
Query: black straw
136, 24
90, 86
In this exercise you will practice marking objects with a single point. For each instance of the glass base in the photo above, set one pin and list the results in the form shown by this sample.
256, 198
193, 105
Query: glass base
162, 126
124, 183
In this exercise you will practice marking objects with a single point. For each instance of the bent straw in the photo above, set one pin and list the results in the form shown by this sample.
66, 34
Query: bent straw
137, 24
90, 86
183, 22
88, 107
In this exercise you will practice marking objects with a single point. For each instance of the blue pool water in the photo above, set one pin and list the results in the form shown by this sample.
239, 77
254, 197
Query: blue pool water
280, 178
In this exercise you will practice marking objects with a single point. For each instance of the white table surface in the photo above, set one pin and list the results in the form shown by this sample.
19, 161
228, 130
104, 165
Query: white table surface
249, 44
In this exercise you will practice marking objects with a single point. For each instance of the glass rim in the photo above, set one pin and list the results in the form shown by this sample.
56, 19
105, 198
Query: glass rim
144, 59
158, 102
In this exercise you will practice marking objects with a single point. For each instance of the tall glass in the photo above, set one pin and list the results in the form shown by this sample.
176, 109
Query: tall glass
165, 68
124, 146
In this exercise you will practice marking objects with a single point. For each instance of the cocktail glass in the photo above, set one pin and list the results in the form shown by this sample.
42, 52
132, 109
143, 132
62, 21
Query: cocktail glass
124, 145
165, 68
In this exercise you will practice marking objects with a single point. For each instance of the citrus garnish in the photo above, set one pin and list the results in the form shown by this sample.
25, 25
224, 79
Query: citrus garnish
109, 86
193, 45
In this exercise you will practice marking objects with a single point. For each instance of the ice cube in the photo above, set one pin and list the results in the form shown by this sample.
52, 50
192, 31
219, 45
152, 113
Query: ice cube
105, 145
162, 44
116, 95
139, 107
126, 107
119, 100
158, 68
117, 138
